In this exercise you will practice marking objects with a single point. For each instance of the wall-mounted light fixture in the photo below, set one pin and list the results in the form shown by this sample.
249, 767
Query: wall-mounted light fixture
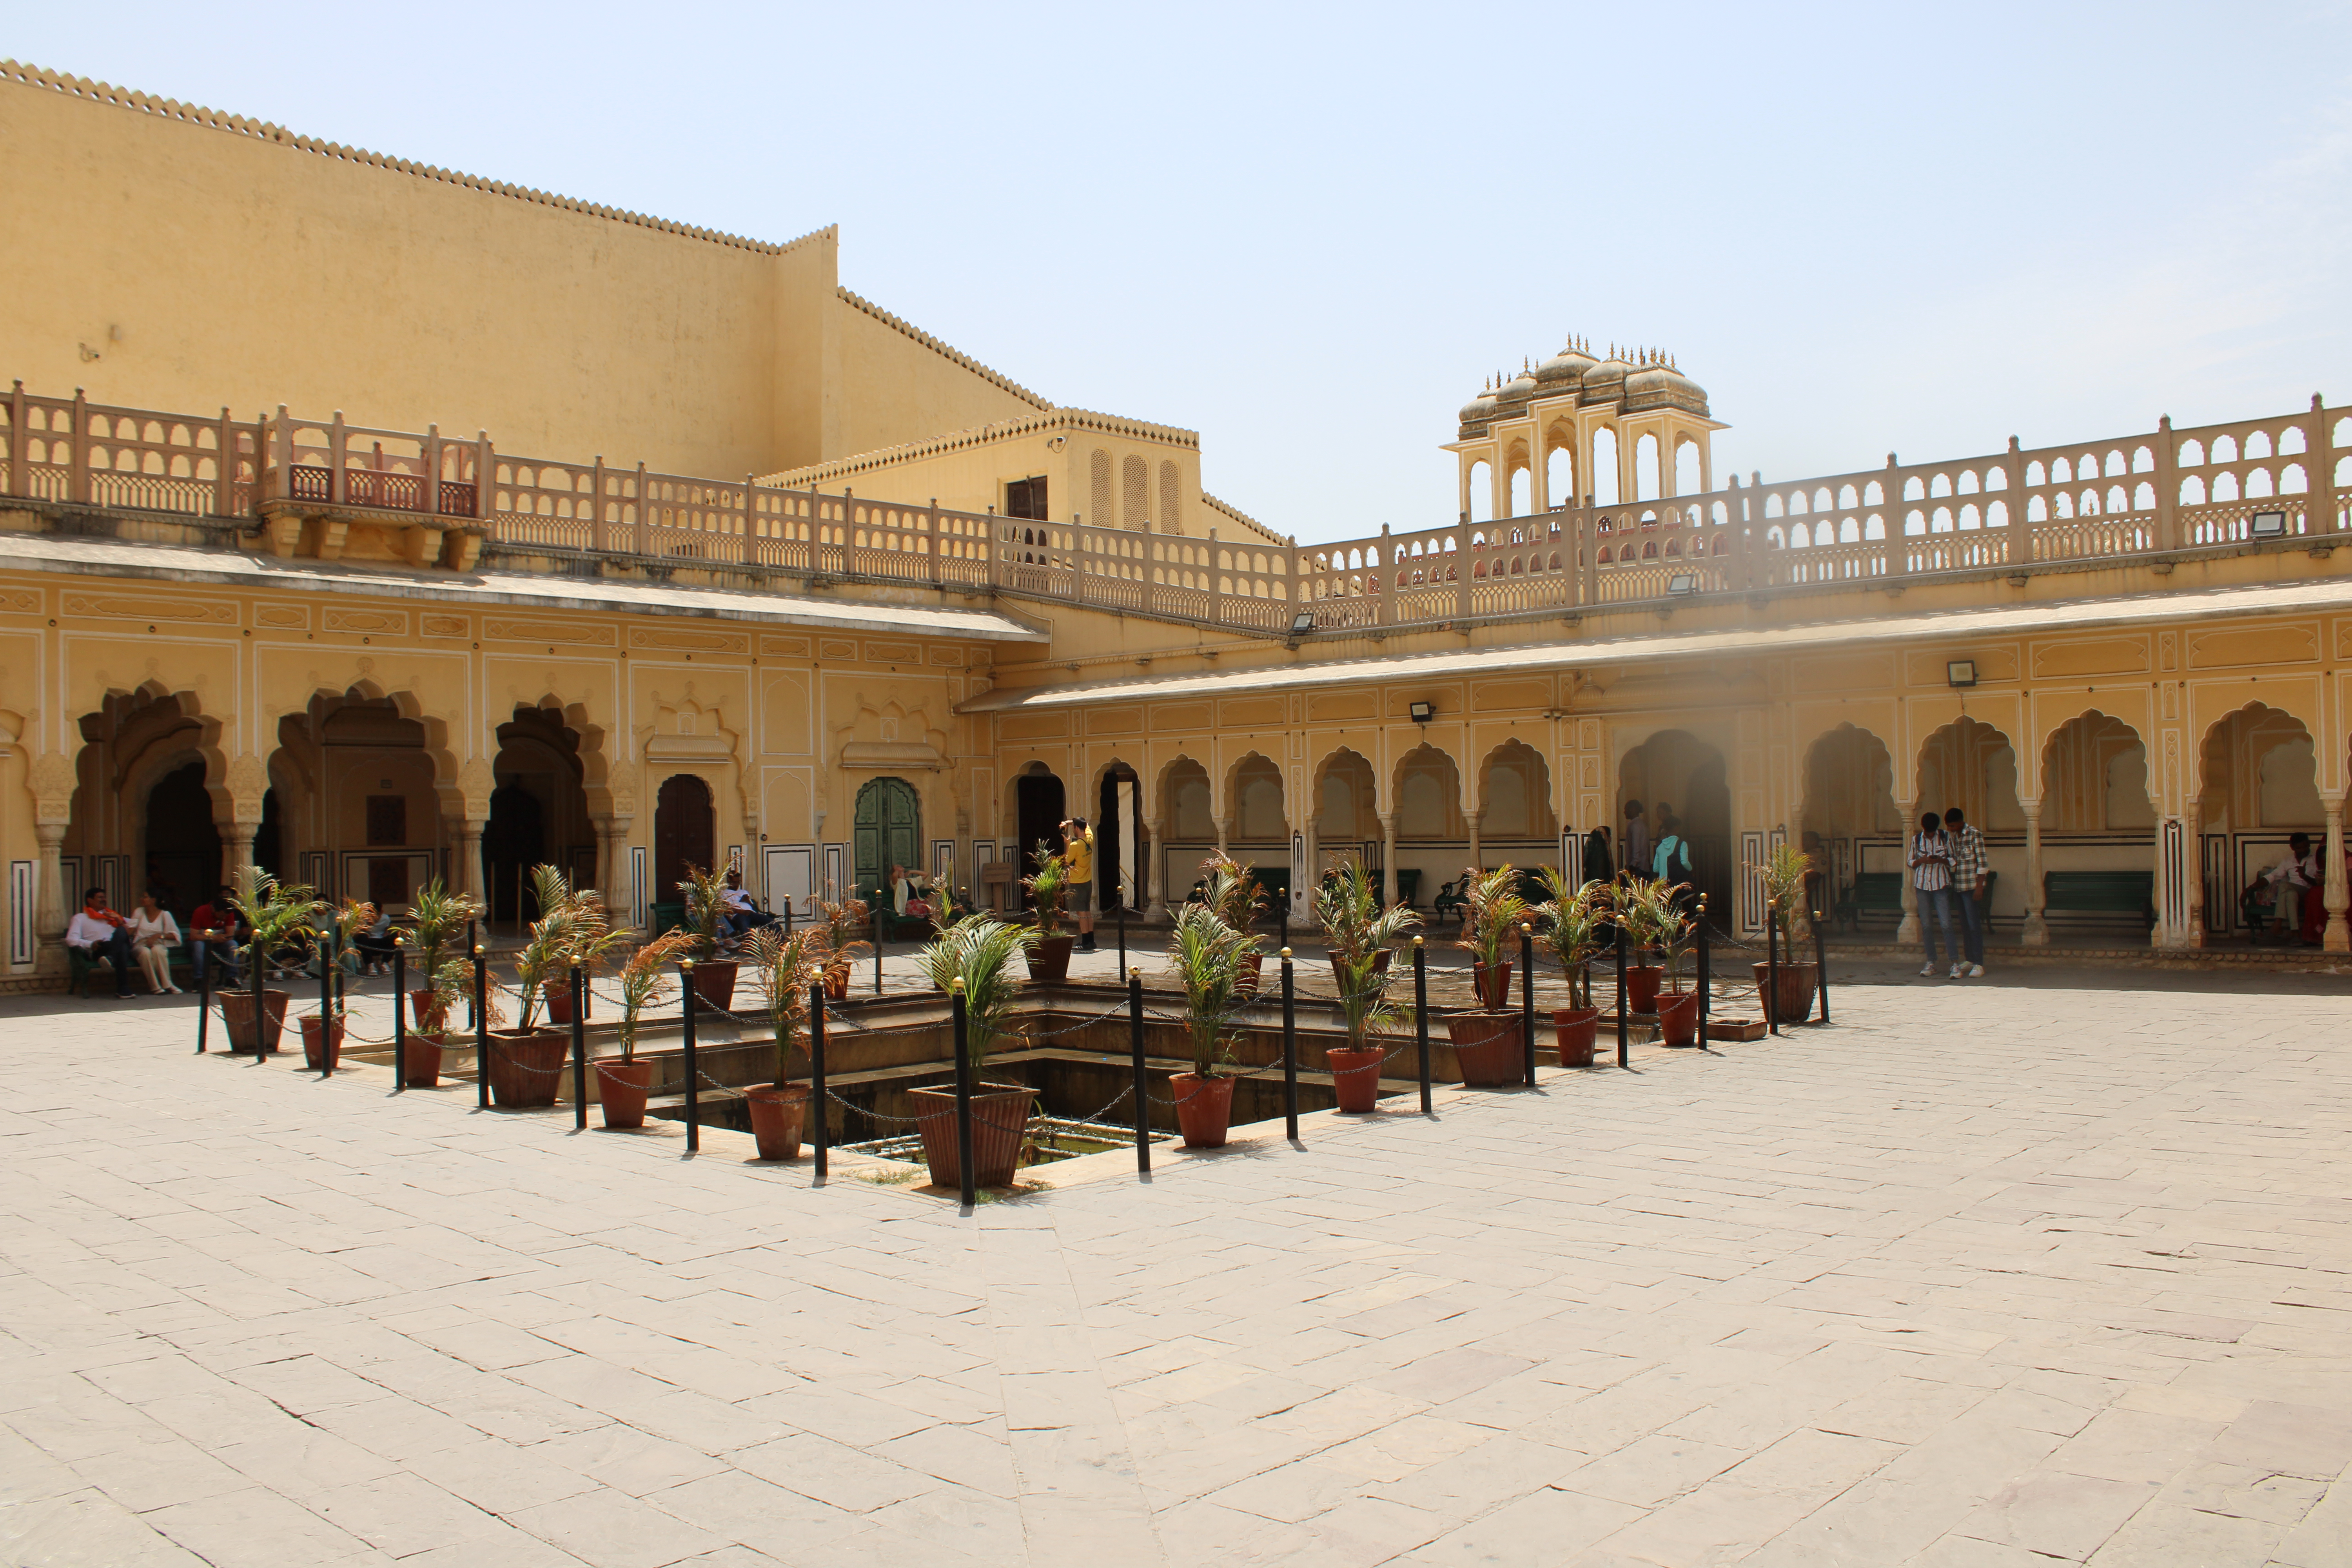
1682, 583
1960, 672
2269, 525
1423, 712
1302, 623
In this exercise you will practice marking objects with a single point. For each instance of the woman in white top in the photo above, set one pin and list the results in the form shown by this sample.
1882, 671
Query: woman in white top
154, 934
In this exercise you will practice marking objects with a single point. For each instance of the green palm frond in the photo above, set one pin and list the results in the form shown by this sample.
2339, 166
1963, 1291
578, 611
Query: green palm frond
978, 952
1204, 956
786, 968
1357, 927
1492, 909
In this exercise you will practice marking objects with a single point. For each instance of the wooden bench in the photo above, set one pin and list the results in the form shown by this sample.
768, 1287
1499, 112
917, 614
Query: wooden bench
2101, 893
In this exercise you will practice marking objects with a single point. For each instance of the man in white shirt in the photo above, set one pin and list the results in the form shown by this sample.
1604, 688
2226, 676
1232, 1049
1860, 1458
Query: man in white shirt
96, 931
2292, 881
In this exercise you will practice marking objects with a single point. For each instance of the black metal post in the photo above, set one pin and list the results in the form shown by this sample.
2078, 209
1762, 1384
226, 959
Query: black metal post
693, 1073
481, 1000
203, 988
1527, 998
472, 1003
327, 968
878, 942
1143, 1084
1820, 967
968, 1189
1771, 970
788, 916
399, 1016
1122, 934
578, 1051
1622, 1054
1421, 1017
1282, 916
1290, 1049
260, 1031
816, 1071
1705, 974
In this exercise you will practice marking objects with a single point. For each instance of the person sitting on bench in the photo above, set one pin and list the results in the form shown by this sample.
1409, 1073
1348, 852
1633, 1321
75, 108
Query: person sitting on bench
2292, 881
738, 910
220, 918
96, 931
375, 944
154, 934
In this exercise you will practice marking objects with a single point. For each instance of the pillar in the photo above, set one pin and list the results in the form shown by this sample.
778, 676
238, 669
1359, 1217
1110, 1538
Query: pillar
612, 853
1908, 932
49, 901
1155, 884
1224, 832
1477, 862
236, 850
2193, 819
1302, 897
1388, 857
2037, 930
2337, 937
467, 875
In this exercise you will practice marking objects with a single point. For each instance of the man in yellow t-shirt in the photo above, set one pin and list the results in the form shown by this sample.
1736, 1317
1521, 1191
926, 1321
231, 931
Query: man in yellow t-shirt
1078, 850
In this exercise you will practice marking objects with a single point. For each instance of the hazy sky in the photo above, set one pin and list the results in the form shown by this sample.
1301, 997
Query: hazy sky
1308, 232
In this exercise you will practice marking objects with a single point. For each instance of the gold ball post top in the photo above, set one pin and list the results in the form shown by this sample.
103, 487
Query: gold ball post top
956, 985
1286, 955
482, 952
1135, 972
1416, 941
686, 964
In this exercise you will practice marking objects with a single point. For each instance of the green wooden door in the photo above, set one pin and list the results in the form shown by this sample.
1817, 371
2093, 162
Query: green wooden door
889, 832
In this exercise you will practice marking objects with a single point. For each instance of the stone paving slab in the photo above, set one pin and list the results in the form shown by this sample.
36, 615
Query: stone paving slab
2029, 1274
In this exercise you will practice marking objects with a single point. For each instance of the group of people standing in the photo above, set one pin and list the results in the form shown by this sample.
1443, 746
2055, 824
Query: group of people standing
1667, 858
1950, 873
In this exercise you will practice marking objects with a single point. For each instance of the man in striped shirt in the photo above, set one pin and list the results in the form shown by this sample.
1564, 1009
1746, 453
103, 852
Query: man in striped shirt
1969, 872
1931, 879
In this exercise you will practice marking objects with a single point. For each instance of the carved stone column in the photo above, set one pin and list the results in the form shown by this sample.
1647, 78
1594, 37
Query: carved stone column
1387, 856
1477, 862
1225, 830
1156, 874
2338, 937
468, 870
2037, 930
1908, 932
2192, 819
49, 901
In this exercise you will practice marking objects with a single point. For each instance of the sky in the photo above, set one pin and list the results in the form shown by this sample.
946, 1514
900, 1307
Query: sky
1310, 232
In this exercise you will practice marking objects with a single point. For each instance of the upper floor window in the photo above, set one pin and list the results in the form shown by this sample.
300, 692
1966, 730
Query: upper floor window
1025, 498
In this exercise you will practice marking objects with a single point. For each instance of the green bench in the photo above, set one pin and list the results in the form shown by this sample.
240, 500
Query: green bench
1409, 885
668, 916
1881, 893
81, 969
2100, 894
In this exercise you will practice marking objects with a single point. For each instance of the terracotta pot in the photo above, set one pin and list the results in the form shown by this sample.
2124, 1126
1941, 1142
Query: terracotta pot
836, 982
1248, 976
714, 983
423, 1061
1356, 1074
316, 1057
526, 1067
1795, 1003
1678, 1017
558, 993
1000, 1125
1049, 961
1577, 1028
621, 1088
1204, 1109
776, 1118
1642, 981
1494, 983
423, 1016
1487, 1048
237, 1012
1380, 961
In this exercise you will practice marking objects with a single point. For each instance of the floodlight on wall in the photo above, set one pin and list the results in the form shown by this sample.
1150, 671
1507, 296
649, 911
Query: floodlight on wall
1960, 672
1423, 712
1302, 623
1682, 583
2269, 525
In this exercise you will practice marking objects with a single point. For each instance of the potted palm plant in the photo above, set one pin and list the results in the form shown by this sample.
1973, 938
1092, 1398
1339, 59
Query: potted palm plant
277, 919
1049, 957
1782, 874
622, 1085
705, 921
786, 969
1573, 920
1359, 932
571, 928
1230, 891
1652, 911
435, 930
975, 955
333, 947
1488, 1044
840, 921
1204, 955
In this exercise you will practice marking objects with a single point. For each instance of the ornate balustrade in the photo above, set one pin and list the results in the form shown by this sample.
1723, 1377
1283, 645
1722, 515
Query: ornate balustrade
2210, 487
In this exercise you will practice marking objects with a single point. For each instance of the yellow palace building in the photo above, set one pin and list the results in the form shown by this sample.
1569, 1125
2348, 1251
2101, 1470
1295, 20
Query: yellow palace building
373, 522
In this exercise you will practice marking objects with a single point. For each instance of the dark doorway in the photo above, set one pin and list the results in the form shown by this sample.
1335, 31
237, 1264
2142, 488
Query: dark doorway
269, 839
888, 831
685, 831
184, 848
1039, 805
513, 841
1107, 833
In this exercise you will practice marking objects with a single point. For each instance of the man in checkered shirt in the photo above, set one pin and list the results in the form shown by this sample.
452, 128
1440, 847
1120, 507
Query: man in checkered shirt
1969, 871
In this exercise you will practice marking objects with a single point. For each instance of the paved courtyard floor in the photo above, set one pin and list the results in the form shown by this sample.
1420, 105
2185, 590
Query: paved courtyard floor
1980, 1276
